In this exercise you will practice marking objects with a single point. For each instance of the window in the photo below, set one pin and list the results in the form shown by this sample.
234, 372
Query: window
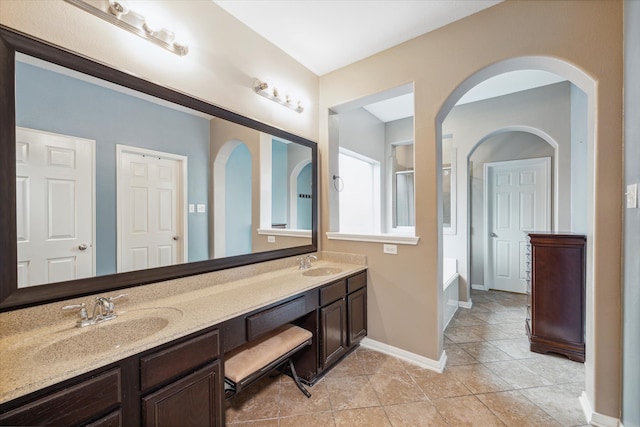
359, 196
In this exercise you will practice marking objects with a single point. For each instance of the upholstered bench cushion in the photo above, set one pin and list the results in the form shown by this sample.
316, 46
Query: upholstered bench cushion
256, 354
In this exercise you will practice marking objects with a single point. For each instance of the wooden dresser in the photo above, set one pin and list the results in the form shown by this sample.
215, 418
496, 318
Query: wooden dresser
556, 288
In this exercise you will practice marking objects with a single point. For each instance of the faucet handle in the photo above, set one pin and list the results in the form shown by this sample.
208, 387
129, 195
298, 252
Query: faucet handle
74, 306
117, 297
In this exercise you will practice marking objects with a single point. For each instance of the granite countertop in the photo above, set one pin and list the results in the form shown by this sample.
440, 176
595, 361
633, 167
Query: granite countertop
53, 350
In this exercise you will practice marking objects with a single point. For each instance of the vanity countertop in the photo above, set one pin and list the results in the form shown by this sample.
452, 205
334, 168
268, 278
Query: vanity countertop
43, 355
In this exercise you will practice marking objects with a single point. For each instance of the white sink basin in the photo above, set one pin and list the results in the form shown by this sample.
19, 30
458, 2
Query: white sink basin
127, 328
322, 271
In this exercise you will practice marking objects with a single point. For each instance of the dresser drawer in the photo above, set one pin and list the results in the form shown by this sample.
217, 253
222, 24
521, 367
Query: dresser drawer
164, 365
333, 292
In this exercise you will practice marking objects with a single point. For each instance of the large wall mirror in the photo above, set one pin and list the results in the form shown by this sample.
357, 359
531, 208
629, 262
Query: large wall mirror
110, 181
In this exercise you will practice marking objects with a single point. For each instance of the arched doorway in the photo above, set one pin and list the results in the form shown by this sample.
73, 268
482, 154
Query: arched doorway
588, 86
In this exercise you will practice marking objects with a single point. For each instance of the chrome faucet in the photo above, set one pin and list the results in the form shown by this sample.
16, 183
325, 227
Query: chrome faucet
305, 261
103, 310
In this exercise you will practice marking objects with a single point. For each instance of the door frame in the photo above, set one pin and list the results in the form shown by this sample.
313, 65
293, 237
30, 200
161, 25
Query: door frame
182, 197
546, 162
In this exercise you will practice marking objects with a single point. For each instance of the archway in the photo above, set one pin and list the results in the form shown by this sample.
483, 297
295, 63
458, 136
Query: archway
519, 144
587, 85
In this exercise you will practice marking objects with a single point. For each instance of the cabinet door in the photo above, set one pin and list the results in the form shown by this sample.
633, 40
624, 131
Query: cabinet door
333, 328
193, 401
357, 309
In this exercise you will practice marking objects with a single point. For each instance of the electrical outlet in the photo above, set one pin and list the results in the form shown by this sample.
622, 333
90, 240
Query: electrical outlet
390, 249
192, 208
271, 239
632, 196
201, 208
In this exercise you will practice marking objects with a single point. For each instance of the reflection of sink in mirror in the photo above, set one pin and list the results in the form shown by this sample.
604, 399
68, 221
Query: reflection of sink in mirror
127, 328
322, 271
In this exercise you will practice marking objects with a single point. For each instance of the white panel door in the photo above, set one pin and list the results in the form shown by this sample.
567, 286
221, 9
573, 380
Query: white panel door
54, 206
151, 209
517, 201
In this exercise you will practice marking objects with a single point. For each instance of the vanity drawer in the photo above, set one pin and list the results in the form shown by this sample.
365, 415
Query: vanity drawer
356, 282
72, 405
166, 364
333, 292
267, 320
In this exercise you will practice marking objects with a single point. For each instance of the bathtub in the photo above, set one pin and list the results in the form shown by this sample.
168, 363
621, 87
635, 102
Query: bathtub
449, 289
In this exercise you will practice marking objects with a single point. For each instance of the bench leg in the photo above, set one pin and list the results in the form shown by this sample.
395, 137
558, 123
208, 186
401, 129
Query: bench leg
296, 379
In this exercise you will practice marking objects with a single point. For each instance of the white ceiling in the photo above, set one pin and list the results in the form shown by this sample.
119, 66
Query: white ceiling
324, 35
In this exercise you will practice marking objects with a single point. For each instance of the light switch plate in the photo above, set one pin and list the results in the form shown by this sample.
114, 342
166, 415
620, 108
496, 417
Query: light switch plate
632, 196
192, 208
271, 239
201, 208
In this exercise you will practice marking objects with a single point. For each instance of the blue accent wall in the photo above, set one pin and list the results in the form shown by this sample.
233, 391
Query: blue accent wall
279, 183
238, 202
53, 102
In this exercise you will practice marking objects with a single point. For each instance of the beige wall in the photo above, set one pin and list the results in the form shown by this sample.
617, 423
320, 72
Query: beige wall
224, 55
404, 290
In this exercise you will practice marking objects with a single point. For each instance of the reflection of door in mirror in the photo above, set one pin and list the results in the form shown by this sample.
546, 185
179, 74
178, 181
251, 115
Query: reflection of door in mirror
55, 179
151, 208
59, 100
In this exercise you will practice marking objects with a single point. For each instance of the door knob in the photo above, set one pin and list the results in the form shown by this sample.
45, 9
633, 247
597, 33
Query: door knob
493, 235
82, 247
176, 237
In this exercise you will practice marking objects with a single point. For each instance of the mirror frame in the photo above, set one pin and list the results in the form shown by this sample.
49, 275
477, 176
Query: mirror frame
12, 297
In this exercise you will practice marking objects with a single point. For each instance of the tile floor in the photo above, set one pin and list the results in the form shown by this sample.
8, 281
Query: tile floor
491, 379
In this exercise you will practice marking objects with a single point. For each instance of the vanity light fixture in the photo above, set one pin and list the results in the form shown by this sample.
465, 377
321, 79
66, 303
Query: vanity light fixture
262, 88
118, 14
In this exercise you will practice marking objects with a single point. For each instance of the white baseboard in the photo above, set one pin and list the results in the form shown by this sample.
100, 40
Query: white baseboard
479, 287
594, 418
416, 359
465, 304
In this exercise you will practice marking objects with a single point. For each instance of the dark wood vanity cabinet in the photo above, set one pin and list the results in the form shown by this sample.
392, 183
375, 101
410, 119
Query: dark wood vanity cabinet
556, 309
179, 383
92, 400
193, 400
333, 323
343, 317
